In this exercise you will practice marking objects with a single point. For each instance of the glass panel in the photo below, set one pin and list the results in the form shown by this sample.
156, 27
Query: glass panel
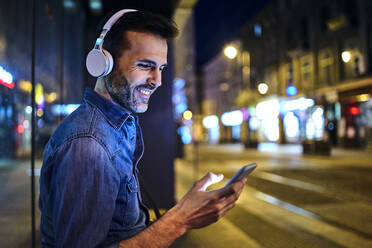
59, 32
15, 123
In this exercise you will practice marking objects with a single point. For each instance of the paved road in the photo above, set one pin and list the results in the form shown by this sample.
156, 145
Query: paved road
289, 201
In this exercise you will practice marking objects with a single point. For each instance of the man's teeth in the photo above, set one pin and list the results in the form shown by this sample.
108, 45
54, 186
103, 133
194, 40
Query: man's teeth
144, 91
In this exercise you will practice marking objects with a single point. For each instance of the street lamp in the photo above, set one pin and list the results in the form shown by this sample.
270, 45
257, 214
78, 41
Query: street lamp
346, 56
263, 88
230, 52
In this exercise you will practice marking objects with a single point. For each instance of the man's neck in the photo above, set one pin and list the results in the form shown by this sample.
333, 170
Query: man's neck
101, 89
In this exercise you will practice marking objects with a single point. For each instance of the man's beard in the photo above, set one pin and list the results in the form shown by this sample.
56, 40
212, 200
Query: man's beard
122, 93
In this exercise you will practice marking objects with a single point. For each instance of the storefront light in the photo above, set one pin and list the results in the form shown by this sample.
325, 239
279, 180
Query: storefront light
254, 123
232, 118
271, 129
267, 109
291, 123
210, 121
363, 97
318, 113
310, 130
298, 104
318, 122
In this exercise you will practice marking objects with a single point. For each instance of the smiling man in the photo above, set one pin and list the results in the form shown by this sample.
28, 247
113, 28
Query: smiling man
138, 73
89, 191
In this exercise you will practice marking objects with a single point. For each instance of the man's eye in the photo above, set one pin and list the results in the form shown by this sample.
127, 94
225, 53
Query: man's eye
145, 66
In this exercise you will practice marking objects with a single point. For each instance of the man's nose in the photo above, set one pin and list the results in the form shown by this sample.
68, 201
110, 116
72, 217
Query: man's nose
155, 77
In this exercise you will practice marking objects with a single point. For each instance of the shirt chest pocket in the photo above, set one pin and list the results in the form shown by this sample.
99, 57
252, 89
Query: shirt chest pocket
131, 206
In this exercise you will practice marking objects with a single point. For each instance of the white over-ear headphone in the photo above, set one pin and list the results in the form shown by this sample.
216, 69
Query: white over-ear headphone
99, 61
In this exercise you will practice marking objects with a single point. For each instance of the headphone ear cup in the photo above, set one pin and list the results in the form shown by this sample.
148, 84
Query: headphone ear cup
96, 63
109, 62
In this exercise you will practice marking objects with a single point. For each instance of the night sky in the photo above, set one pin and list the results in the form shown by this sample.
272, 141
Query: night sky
219, 21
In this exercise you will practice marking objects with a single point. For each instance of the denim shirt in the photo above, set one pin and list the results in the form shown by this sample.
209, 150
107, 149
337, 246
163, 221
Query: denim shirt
89, 191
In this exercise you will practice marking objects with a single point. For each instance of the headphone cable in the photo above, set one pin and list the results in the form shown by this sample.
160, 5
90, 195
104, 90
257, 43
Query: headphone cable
151, 200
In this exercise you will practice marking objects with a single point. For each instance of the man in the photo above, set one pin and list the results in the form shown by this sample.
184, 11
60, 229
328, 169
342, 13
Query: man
89, 192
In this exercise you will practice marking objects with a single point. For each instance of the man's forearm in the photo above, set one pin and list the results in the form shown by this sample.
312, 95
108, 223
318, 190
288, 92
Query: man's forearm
197, 209
162, 233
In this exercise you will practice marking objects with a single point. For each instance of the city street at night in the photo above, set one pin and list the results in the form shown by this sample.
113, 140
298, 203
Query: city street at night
112, 108
290, 200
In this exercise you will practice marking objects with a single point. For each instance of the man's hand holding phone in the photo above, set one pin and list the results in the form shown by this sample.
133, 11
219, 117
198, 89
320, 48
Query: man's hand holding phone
200, 208
242, 173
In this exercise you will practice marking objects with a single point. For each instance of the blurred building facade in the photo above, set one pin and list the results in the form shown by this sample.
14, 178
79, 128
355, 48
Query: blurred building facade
185, 85
58, 69
221, 88
315, 59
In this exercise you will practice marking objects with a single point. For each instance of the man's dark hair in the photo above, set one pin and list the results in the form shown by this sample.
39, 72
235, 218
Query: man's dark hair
140, 21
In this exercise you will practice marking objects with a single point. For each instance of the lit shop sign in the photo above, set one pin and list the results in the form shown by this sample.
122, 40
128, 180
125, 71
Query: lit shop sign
6, 78
298, 104
233, 118
210, 121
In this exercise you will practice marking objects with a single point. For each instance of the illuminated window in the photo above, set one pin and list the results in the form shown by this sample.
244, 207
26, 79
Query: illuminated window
306, 72
352, 61
257, 30
326, 67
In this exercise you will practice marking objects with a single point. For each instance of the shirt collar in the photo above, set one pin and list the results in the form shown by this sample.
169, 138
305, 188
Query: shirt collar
112, 112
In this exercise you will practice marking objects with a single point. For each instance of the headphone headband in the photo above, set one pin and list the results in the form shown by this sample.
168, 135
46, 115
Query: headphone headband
108, 25
115, 17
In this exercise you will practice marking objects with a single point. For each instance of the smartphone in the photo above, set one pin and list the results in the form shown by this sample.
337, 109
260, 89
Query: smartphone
243, 172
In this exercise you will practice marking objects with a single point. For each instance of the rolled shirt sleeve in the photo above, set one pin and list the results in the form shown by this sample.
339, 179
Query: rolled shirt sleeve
83, 193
